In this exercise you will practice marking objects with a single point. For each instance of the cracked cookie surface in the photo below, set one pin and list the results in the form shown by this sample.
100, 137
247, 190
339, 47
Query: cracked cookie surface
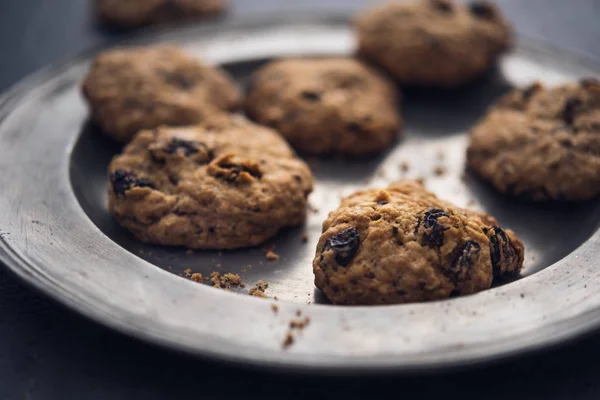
402, 244
326, 105
141, 88
223, 184
135, 13
433, 42
541, 143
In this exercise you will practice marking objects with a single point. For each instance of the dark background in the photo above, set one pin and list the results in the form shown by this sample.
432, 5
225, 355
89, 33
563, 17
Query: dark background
48, 352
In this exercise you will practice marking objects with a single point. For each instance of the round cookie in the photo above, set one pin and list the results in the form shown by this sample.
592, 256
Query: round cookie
326, 105
223, 184
403, 244
433, 42
135, 13
541, 144
142, 88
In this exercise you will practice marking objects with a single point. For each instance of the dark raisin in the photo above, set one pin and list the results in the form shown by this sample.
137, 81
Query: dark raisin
433, 42
171, 10
250, 85
435, 236
395, 230
344, 244
298, 178
188, 147
370, 275
566, 143
178, 80
463, 257
569, 110
311, 96
173, 179
354, 127
589, 82
212, 229
122, 181
502, 253
400, 292
482, 9
382, 202
530, 90
444, 6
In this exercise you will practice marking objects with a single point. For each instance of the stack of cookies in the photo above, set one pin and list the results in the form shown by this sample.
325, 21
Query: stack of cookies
195, 172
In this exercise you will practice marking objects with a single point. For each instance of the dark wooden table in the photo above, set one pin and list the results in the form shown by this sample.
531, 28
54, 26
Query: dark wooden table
48, 352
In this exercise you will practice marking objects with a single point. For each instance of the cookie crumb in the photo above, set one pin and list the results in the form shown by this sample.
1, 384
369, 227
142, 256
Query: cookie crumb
295, 325
197, 277
225, 281
305, 238
257, 293
439, 171
299, 323
259, 289
288, 341
275, 298
270, 253
244, 270
420, 180
187, 272
404, 166
298, 313
275, 308
189, 251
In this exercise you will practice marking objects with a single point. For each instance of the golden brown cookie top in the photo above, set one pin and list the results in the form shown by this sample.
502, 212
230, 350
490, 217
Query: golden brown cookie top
135, 13
542, 143
433, 42
403, 244
226, 170
144, 87
326, 105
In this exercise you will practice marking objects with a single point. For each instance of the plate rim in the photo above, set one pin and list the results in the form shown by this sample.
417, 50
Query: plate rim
19, 265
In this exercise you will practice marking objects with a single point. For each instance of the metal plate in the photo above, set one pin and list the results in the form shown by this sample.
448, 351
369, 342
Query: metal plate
57, 234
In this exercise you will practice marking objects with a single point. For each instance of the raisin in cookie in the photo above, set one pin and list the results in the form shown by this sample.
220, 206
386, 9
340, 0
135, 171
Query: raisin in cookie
135, 13
403, 244
142, 88
541, 144
326, 105
223, 184
433, 42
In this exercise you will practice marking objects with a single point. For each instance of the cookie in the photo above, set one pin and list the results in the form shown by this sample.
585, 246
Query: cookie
134, 13
434, 43
541, 143
403, 244
141, 88
223, 184
326, 105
